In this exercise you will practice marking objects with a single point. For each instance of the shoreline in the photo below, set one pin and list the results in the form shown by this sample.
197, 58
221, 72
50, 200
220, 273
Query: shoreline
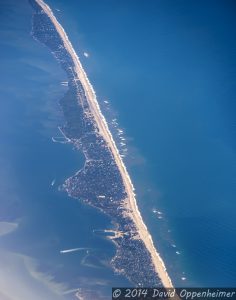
130, 202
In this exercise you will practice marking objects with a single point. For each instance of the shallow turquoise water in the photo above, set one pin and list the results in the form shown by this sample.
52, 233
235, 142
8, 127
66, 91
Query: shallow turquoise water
49, 221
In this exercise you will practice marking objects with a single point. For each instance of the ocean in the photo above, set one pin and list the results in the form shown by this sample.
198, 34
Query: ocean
168, 72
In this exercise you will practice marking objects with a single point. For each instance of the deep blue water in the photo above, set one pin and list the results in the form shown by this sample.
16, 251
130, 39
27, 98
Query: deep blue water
168, 69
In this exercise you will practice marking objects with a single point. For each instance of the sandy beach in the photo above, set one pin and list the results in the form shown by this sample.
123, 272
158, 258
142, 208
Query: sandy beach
130, 203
